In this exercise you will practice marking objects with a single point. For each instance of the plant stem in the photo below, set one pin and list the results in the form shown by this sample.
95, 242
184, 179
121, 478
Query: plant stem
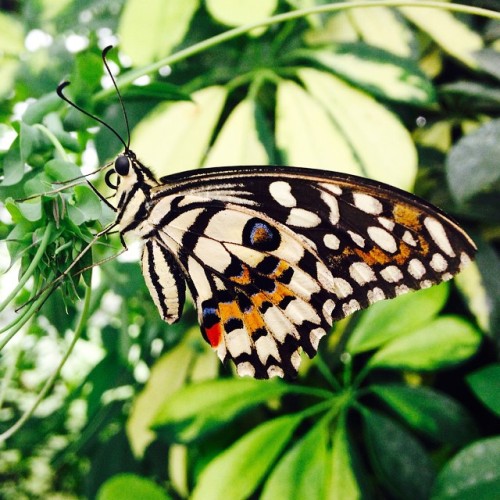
50, 381
129, 77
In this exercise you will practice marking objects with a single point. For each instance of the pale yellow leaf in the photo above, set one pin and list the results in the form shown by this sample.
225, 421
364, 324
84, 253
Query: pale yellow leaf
305, 134
381, 143
175, 136
238, 142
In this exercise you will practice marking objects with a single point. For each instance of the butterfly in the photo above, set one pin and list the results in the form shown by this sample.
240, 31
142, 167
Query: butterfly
272, 256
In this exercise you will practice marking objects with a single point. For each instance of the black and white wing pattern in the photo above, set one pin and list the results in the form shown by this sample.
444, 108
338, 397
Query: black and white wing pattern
273, 255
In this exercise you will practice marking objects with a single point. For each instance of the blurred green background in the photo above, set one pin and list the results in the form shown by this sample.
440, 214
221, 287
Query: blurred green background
402, 399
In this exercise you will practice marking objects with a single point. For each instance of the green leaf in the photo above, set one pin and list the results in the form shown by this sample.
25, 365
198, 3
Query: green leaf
452, 35
242, 12
377, 71
238, 142
13, 167
398, 459
61, 170
237, 472
162, 91
87, 206
175, 137
41, 107
172, 366
305, 134
383, 146
30, 210
200, 409
444, 342
472, 474
150, 33
485, 383
391, 318
429, 412
472, 165
128, 486
302, 470
343, 478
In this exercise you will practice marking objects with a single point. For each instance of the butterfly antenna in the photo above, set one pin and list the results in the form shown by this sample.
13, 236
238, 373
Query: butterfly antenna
124, 112
60, 93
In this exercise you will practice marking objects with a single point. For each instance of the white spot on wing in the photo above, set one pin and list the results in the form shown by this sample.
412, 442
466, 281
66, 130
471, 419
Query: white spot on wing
332, 203
350, 307
238, 342
328, 308
439, 263
438, 234
341, 288
275, 371
295, 359
303, 218
416, 268
361, 272
409, 239
245, 369
266, 346
367, 203
331, 241
281, 192
357, 238
383, 239
315, 336
391, 274
375, 295
387, 223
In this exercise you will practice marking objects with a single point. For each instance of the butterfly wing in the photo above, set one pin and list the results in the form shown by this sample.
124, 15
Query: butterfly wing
273, 256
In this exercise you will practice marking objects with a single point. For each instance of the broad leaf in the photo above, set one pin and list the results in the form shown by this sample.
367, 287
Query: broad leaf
398, 458
131, 487
381, 143
200, 409
148, 33
429, 412
444, 342
236, 473
305, 134
390, 318
452, 35
474, 473
238, 142
485, 383
301, 473
175, 137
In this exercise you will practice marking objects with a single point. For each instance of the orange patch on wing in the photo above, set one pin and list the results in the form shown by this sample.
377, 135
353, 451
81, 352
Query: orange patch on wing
407, 216
279, 294
253, 321
244, 279
282, 267
374, 256
229, 310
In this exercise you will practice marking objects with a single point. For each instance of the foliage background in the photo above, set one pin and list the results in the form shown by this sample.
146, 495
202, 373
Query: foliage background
401, 401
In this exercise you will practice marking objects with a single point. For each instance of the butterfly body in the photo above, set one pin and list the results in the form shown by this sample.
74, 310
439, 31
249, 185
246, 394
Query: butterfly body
273, 255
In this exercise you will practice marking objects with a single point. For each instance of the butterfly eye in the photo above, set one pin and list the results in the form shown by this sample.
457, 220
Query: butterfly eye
122, 165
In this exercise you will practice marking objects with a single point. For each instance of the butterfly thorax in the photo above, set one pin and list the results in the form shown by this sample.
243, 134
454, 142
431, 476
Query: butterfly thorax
135, 182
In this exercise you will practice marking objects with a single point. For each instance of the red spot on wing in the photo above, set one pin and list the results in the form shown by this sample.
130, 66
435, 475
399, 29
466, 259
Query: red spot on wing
214, 334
